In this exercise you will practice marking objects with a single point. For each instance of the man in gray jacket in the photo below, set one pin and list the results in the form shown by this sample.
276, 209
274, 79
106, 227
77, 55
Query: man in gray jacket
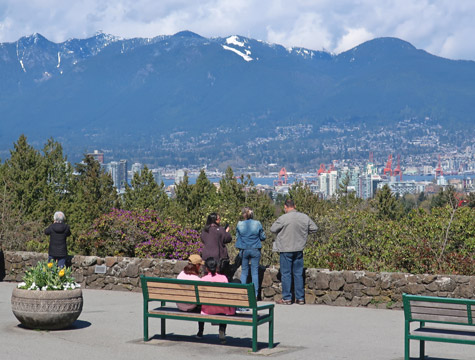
292, 231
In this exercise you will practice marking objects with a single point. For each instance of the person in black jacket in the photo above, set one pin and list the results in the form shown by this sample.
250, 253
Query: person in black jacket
214, 238
58, 232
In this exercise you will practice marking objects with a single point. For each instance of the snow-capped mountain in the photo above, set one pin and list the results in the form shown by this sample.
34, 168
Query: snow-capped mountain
110, 91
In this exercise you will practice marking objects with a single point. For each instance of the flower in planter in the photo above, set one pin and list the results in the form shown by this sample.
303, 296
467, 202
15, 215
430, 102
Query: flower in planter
48, 276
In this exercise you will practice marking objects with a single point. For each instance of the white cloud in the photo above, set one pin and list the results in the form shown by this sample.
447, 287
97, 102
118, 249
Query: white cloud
442, 27
352, 38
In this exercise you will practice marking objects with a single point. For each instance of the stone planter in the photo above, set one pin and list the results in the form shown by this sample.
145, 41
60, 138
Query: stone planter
47, 310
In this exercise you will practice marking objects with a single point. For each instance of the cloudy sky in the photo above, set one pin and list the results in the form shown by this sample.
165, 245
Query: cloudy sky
441, 27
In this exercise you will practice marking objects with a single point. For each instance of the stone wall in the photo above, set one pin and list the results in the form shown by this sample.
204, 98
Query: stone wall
341, 288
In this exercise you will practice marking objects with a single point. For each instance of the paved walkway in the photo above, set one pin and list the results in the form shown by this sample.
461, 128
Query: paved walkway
110, 327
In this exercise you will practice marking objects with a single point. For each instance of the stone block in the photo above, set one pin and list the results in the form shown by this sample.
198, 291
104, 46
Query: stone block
341, 301
371, 291
325, 299
322, 281
349, 277
267, 280
368, 282
268, 292
432, 287
336, 282
414, 289
428, 279
365, 300
309, 298
89, 261
385, 284
146, 263
334, 295
446, 284
132, 270
111, 261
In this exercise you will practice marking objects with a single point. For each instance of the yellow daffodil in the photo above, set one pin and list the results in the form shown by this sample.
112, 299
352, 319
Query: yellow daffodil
61, 273
50, 265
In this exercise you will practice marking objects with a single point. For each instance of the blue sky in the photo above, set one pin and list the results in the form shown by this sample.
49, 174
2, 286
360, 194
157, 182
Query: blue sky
441, 27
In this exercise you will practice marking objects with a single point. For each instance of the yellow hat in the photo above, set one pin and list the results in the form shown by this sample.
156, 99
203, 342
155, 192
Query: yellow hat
195, 259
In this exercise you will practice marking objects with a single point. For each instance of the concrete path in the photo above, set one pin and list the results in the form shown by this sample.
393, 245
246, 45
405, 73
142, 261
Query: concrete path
110, 327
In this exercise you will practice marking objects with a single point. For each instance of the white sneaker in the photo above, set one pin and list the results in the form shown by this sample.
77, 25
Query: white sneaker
242, 310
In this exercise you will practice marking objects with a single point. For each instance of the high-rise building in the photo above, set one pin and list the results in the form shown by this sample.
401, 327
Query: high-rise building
136, 168
328, 183
122, 175
179, 175
157, 175
98, 156
118, 172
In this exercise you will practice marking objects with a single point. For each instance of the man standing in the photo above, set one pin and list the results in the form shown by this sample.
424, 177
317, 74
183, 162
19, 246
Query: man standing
292, 231
58, 232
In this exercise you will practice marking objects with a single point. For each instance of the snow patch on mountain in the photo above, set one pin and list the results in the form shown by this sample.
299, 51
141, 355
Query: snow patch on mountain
244, 56
234, 40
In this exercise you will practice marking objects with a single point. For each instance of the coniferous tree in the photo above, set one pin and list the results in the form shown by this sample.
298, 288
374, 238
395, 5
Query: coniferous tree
145, 193
23, 174
388, 207
94, 194
57, 173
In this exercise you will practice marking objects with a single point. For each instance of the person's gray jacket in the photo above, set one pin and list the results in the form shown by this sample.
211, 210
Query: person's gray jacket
292, 230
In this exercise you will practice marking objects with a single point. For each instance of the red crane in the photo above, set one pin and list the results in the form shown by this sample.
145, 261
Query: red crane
321, 170
282, 174
388, 169
397, 171
438, 170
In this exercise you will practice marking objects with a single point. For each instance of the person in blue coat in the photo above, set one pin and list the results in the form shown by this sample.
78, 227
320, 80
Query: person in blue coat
249, 234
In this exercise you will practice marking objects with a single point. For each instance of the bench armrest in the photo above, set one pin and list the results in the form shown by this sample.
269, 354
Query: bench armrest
264, 307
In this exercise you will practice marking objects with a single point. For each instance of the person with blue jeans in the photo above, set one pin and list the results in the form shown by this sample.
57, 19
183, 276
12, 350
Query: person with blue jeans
292, 231
249, 234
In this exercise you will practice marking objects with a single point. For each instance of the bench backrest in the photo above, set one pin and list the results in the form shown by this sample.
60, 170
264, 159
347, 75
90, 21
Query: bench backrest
439, 310
198, 292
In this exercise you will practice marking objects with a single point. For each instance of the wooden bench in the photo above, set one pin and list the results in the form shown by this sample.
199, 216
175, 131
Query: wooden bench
167, 290
451, 321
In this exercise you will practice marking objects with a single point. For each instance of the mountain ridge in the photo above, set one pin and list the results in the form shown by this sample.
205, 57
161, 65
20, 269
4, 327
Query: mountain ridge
88, 92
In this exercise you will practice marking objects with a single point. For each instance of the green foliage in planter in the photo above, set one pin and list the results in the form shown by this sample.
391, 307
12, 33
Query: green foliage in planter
48, 276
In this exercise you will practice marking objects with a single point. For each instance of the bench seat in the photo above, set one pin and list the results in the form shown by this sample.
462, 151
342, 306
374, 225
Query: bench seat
440, 319
165, 290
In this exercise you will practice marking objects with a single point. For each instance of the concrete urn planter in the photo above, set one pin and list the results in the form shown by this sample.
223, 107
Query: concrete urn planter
47, 310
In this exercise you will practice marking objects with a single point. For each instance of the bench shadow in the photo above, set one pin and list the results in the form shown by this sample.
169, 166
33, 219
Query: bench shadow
210, 339
432, 358
77, 325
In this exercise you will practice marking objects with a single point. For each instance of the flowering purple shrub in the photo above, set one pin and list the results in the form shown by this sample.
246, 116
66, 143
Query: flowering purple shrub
140, 233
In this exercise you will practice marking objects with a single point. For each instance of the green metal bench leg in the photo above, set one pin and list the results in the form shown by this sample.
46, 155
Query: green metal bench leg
422, 349
145, 328
406, 341
271, 334
254, 338
164, 332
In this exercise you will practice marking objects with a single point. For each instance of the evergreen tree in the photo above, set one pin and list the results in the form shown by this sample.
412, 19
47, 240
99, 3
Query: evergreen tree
94, 194
387, 205
23, 175
145, 193
57, 173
